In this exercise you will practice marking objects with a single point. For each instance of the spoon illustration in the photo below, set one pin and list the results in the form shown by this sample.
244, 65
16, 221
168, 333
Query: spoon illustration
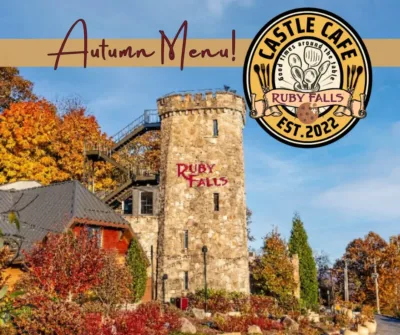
321, 71
298, 75
310, 76
294, 60
312, 56
359, 71
257, 70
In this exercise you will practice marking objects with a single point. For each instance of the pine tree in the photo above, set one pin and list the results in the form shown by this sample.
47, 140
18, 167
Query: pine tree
298, 244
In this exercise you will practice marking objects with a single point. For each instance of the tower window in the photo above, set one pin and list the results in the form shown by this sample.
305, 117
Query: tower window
128, 206
216, 202
146, 203
186, 240
215, 127
186, 280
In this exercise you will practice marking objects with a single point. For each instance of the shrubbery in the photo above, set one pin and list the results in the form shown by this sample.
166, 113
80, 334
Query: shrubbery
48, 315
241, 323
149, 319
221, 301
136, 261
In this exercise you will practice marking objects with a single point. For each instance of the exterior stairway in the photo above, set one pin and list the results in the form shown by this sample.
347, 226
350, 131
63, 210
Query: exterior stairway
147, 122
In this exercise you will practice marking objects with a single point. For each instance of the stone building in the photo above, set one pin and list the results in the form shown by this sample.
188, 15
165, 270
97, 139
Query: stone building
198, 198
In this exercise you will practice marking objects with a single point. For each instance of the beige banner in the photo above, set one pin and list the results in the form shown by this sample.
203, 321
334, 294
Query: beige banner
332, 97
147, 53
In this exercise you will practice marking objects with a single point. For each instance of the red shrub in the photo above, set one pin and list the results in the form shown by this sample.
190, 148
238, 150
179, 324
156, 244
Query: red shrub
261, 305
93, 324
126, 323
148, 319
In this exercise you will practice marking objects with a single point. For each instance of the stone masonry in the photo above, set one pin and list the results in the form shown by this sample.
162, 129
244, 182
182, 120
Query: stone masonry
189, 207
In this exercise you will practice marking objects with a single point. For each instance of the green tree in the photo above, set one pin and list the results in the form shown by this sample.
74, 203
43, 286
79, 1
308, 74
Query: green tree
298, 244
272, 273
137, 265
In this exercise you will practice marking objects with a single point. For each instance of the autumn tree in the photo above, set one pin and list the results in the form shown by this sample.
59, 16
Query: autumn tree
27, 133
361, 255
76, 129
298, 244
14, 88
64, 265
36, 143
272, 272
114, 288
142, 153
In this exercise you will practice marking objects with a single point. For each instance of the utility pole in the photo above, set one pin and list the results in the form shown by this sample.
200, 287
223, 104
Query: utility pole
346, 282
375, 277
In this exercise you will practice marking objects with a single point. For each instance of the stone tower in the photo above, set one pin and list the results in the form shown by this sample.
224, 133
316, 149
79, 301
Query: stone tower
202, 196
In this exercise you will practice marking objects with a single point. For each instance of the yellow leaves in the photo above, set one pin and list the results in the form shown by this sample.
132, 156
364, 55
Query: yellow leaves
38, 144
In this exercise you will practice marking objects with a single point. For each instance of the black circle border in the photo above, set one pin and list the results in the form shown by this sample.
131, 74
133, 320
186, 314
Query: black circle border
262, 30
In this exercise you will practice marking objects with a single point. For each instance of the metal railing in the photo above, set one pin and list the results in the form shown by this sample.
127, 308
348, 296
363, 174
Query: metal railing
150, 116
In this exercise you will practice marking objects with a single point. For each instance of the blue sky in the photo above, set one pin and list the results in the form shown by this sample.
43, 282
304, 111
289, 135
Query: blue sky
342, 191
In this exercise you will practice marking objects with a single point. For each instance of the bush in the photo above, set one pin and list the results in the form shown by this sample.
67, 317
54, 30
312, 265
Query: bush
220, 301
93, 324
368, 312
240, 324
49, 316
137, 265
148, 319
261, 305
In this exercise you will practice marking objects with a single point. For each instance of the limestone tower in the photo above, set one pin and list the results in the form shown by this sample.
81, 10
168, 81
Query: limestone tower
202, 197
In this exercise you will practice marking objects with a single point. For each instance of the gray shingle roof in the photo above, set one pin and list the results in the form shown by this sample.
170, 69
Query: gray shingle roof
50, 209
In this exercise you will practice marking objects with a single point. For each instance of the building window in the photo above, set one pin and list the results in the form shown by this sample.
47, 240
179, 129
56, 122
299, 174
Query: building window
95, 232
186, 280
215, 127
146, 203
128, 206
216, 202
186, 240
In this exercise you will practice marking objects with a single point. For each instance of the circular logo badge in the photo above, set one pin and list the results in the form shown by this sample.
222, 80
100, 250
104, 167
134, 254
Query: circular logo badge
307, 78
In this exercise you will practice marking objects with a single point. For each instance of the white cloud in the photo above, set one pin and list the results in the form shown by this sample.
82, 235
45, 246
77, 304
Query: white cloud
376, 198
372, 189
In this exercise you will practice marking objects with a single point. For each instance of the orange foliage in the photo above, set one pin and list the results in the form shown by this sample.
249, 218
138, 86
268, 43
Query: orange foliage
27, 131
362, 253
38, 144
75, 129
142, 153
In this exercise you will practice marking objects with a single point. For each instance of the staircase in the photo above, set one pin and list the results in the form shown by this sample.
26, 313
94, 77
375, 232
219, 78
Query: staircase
147, 122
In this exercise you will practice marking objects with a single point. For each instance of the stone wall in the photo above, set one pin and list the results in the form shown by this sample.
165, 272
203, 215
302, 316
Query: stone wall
146, 230
187, 138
